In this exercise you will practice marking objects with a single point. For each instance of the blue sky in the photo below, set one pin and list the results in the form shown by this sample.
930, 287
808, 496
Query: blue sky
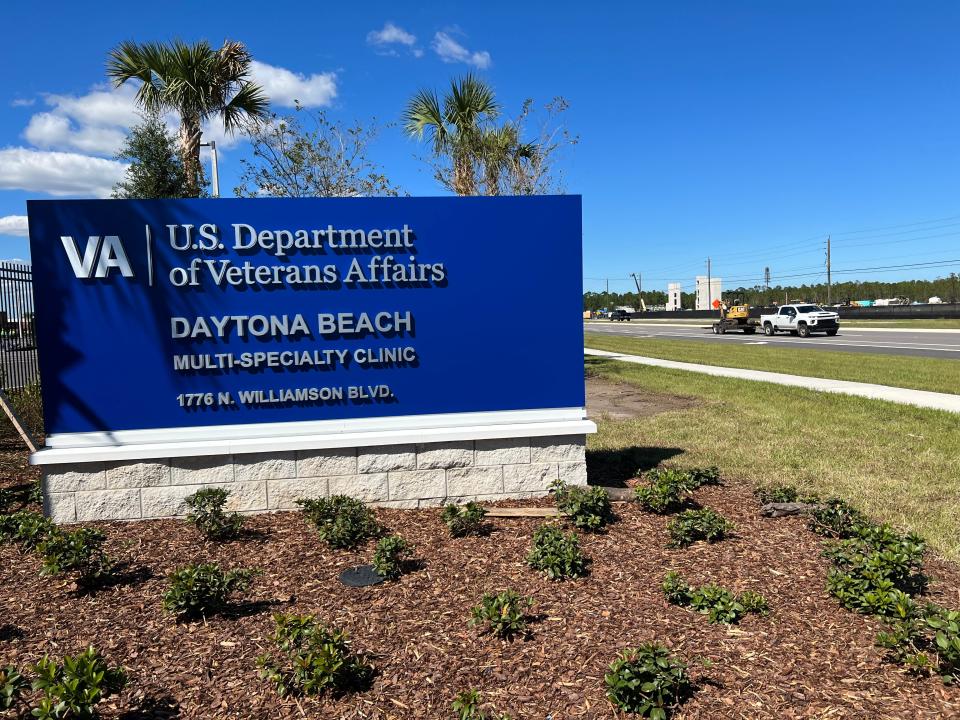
744, 131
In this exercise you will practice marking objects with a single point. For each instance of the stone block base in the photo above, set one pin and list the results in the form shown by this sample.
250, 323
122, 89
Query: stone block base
400, 476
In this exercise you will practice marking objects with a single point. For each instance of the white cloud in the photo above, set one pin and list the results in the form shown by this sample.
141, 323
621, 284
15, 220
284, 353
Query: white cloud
451, 51
284, 87
22, 102
51, 131
13, 225
58, 173
103, 105
391, 35
94, 123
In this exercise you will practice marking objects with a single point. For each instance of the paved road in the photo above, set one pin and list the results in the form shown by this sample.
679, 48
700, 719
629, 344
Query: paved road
895, 342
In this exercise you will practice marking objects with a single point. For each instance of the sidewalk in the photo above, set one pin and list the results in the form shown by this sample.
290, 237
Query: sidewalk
904, 396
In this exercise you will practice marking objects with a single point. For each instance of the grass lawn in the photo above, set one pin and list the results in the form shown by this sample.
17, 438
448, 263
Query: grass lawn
900, 464
934, 374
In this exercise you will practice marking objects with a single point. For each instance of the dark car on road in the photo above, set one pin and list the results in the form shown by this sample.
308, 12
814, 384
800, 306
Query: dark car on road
620, 315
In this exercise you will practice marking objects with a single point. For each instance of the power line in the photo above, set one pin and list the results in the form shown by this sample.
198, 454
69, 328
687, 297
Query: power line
892, 227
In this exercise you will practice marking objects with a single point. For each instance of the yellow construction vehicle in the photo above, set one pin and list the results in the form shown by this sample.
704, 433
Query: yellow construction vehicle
735, 318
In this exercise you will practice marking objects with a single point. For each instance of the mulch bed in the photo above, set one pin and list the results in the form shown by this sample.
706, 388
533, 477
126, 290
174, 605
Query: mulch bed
808, 658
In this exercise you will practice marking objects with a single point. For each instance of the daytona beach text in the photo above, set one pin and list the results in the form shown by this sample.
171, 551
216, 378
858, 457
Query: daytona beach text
211, 327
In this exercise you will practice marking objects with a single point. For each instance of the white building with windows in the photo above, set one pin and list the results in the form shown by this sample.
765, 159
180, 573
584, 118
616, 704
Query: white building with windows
706, 294
674, 294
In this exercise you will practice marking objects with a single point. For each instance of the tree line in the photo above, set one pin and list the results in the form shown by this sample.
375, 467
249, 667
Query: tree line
473, 148
946, 288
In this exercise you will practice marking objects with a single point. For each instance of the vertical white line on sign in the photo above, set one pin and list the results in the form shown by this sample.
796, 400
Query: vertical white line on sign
149, 255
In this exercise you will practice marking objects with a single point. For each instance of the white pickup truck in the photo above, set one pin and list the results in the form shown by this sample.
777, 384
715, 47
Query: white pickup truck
800, 320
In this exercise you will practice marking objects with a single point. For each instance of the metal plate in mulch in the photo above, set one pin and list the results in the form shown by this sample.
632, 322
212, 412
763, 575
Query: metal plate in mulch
360, 576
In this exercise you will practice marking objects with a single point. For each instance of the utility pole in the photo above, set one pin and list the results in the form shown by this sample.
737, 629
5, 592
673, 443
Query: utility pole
709, 288
766, 284
608, 286
829, 284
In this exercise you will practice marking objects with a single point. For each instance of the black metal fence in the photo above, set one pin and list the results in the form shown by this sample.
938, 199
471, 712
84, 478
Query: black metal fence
18, 340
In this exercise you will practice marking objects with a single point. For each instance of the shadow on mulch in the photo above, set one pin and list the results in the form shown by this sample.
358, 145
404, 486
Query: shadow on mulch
612, 468
164, 708
20, 495
10, 632
122, 576
249, 608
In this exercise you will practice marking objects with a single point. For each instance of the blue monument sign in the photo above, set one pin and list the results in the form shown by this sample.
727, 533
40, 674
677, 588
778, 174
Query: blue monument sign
186, 314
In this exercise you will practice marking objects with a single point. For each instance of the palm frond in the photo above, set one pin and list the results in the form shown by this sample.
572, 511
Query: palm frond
249, 102
423, 115
469, 100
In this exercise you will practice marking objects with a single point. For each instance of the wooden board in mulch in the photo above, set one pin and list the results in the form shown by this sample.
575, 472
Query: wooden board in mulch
808, 659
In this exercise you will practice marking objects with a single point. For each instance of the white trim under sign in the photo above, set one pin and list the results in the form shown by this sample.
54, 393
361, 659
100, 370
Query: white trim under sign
316, 435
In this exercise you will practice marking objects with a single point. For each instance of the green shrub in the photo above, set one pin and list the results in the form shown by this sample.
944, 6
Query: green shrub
315, 658
647, 681
836, 518
204, 589
75, 687
464, 519
718, 603
778, 493
945, 628
391, 557
26, 528
692, 525
588, 508
35, 493
876, 569
207, 514
677, 590
502, 614
665, 491
466, 706
341, 521
704, 476
926, 641
556, 553
77, 551
12, 683
753, 602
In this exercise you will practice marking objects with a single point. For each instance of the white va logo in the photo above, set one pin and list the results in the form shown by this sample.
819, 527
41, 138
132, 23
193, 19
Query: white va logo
104, 253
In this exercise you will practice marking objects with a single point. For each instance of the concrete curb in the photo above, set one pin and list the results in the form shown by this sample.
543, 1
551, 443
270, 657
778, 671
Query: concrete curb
903, 396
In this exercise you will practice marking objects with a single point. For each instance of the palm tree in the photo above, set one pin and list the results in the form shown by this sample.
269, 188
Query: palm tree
502, 154
454, 125
194, 81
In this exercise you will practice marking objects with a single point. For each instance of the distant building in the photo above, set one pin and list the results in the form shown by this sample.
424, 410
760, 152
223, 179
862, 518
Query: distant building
705, 295
674, 291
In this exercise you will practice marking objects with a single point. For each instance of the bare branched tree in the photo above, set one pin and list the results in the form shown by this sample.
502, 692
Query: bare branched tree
328, 160
529, 167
